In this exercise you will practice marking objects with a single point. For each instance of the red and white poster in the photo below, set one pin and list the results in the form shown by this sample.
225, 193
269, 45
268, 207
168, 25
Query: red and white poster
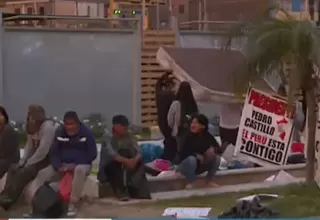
265, 129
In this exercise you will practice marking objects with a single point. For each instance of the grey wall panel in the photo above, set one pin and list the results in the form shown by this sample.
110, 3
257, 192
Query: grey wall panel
90, 72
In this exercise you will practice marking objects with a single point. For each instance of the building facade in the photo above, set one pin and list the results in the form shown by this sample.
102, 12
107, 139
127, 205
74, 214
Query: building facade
193, 11
57, 7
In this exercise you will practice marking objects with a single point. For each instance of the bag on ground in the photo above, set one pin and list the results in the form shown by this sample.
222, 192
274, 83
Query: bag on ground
65, 186
46, 203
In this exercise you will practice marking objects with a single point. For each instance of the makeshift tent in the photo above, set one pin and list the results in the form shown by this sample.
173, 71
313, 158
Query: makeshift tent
211, 72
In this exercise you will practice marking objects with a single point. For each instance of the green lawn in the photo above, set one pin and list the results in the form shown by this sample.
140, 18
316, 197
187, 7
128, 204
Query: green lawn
298, 201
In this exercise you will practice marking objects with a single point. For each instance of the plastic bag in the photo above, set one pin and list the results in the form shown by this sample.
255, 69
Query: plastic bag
65, 186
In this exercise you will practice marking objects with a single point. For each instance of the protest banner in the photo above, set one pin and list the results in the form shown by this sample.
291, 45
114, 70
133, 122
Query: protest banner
265, 129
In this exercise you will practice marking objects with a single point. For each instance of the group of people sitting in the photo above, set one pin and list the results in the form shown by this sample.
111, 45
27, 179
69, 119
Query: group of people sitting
52, 150
187, 141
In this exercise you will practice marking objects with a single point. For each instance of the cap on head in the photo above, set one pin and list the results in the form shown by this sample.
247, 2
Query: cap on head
120, 119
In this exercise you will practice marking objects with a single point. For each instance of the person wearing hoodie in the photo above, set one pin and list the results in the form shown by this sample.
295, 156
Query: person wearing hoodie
9, 144
199, 152
121, 162
73, 150
40, 133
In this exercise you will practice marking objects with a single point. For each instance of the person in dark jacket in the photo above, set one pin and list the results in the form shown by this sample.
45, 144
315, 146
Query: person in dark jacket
199, 152
73, 150
122, 162
165, 95
9, 143
180, 113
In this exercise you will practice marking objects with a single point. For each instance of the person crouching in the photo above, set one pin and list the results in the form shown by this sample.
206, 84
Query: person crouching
198, 153
123, 165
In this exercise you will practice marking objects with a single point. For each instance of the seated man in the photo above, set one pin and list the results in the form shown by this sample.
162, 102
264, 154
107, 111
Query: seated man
199, 152
123, 165
9, 144
73, 150
40, 133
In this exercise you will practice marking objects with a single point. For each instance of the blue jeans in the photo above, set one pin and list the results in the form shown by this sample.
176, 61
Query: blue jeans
190, 168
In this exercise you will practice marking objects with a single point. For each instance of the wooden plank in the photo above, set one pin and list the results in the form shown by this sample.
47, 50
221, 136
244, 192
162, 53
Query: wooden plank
159, 40
151, 68
150, 82
155, 48
158, 32
149, 61
149, 118
149, 111
152, 75
145, 96
148, 89
149, 103
149, 55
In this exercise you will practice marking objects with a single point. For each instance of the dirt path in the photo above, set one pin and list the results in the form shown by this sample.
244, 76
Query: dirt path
119, 211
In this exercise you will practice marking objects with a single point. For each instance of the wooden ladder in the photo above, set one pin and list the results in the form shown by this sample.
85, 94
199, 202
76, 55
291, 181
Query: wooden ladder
151, 71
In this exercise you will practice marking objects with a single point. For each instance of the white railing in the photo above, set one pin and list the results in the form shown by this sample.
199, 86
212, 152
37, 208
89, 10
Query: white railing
220, 26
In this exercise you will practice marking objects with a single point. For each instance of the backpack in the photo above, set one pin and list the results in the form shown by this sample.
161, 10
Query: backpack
47, 203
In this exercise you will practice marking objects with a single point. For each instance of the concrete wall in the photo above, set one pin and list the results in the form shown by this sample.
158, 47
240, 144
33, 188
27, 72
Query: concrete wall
87, 71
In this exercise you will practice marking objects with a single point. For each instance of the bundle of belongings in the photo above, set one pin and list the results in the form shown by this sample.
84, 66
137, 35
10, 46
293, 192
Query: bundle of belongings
47, 203
249, 209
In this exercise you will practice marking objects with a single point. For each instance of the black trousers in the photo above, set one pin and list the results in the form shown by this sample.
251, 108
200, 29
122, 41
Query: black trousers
4, 166
170, 148
115, 175
228, 135
18, 179
133, 181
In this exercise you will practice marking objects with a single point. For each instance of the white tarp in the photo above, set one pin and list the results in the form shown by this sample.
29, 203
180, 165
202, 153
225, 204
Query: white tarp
200, 92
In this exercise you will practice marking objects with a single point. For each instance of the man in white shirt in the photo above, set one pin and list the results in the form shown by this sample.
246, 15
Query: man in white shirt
230, 116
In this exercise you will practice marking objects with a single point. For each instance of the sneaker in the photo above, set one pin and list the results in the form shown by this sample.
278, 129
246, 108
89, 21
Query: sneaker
122, 195
5, 202
72, 211
212, 184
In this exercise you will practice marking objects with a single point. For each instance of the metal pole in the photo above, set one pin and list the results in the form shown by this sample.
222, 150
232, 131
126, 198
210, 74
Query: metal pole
143, 13
34, 6
205, 14
170, 12
158, 14
77, 8
199, 11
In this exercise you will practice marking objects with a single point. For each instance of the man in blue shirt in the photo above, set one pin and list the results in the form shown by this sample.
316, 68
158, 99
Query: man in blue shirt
73, 150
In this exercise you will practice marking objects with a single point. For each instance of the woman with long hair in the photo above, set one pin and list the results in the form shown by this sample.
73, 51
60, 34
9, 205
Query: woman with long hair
199, 152
165, 95
9, 143
181, 111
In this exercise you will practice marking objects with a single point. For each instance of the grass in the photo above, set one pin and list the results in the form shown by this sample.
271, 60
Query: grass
297, 201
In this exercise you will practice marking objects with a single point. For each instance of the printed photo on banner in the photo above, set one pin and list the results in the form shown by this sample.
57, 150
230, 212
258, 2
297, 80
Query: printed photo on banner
265, 129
